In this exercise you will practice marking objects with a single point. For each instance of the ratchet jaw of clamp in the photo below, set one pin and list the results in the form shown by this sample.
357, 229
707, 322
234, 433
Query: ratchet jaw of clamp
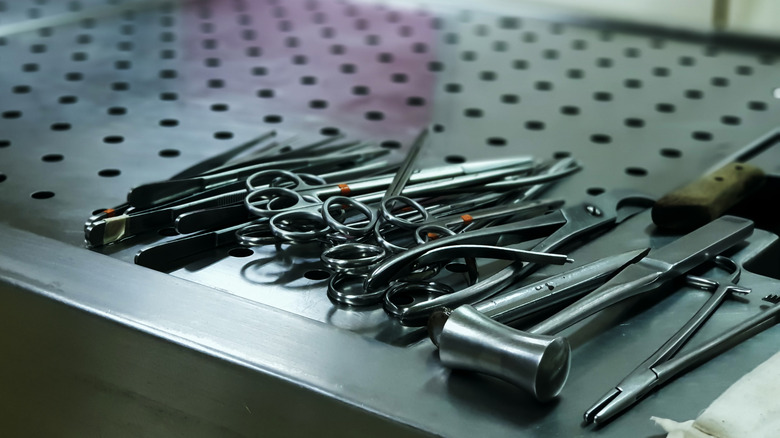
621, 398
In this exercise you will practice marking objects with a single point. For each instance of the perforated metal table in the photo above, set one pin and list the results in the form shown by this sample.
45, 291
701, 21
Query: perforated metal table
99, 96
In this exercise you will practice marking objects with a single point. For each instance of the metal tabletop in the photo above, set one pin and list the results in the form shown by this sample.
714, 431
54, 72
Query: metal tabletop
99, 96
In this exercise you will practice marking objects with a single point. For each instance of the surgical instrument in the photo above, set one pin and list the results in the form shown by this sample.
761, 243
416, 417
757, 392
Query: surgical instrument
642, 380
559, 228
658, 375
343, 259
392, 195
216, 161
191, 171
151, 194
170, 254
362, 296
286, 208
219, 217
537, 360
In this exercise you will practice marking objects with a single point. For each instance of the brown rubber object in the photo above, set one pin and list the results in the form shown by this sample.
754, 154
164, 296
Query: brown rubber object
707, 198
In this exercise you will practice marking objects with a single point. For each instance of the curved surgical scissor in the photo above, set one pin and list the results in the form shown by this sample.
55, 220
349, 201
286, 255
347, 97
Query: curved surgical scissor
561, 227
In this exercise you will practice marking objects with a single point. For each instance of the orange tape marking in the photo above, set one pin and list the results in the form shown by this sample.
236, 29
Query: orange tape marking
467, 218
345, 190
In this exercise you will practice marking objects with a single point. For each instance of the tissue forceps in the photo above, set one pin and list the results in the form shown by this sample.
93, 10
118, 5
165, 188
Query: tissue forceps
646, 376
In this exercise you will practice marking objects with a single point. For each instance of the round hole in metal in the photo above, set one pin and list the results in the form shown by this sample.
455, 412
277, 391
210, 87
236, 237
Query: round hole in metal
109, 173
636, 171
496, 141
595, 191
390, 144
44, 194
113, 139
60, 126
316, 274
52, 158
240, 252
671, 153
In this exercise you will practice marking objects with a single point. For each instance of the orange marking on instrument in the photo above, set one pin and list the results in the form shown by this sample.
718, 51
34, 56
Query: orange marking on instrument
467, 218
108, 211
345, 190
433, 236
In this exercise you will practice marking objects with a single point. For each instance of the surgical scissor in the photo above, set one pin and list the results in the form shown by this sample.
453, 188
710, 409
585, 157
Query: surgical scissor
156, 193
302, 204
351, 290
559, 228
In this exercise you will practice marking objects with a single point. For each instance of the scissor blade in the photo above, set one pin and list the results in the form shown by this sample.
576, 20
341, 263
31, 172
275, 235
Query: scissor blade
156, 193
479, 166
274, 154
211, 218
653, 271
407, 167
171, 254
219, 160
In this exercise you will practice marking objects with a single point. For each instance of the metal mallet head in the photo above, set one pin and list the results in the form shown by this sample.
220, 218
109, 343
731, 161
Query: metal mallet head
469, 340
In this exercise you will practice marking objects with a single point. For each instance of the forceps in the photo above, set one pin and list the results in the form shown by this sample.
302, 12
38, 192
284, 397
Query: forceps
645, 377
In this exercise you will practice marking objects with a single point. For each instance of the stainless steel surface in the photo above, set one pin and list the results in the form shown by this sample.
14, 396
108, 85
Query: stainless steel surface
233, 342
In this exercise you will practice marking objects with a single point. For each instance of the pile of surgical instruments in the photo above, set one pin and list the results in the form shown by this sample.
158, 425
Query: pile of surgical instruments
415, 240
537, 358
346, 196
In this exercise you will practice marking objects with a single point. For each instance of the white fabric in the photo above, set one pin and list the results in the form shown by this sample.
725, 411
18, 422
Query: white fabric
749, 408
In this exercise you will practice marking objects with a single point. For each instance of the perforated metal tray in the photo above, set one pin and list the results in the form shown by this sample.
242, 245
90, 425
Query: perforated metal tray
109, 95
